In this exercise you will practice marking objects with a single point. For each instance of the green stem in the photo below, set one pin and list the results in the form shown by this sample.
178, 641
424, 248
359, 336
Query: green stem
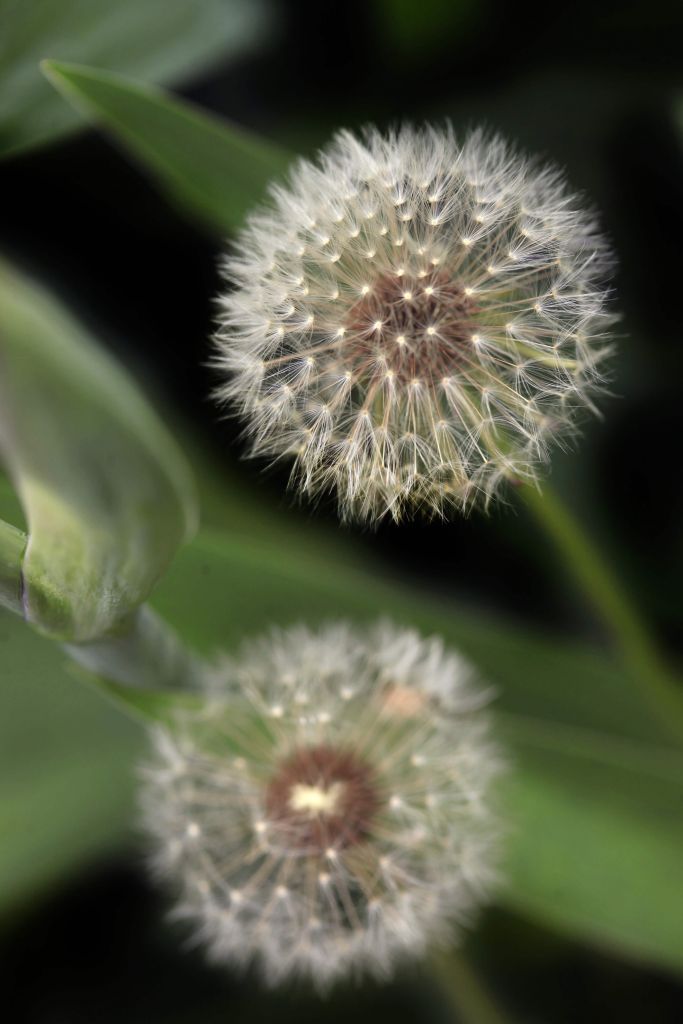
146, 655
12, 547
462, 987
592, 576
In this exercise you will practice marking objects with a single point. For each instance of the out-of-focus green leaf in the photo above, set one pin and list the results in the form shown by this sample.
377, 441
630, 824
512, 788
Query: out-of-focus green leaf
148, 707
160, 40
209, 167
66, 768
12, 549
597, 835
107, 496
593, 796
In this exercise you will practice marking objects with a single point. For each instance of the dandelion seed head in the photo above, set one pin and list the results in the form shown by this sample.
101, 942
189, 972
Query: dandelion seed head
340, 842
420, 242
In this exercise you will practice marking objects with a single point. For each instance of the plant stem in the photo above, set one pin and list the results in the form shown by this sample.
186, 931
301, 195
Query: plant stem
12, 546
146, 655
461, 985
592, 576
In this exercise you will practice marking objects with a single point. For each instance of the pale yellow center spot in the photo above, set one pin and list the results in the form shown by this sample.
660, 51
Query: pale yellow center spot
314, 800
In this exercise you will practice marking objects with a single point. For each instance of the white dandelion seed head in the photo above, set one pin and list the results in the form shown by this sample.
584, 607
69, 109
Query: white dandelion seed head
326, 810
414, 320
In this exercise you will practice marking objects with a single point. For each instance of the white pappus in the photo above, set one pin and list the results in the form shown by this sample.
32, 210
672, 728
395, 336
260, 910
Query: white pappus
414, 320
325, 810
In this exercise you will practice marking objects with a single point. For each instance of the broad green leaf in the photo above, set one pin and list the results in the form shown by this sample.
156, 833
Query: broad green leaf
594, 795
12, 549
66, 768
210, 168
160, 40
285, 582
107, 496
148, 707
597, 838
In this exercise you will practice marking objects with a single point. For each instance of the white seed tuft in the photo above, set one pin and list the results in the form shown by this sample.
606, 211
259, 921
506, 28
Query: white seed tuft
486, 238
344, 842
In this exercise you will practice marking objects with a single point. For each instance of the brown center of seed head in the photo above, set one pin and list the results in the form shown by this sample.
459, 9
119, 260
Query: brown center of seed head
321, 798
414, 328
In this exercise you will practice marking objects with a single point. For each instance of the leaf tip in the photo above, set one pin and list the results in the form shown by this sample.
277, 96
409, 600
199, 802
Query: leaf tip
50, 68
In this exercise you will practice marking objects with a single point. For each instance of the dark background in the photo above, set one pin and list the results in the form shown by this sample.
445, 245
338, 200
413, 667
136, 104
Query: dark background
596, 87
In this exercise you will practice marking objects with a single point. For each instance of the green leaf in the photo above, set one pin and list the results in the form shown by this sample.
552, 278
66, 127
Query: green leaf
594, 796
208, 167
107, 496
12, 550
159, 40
66, 768
597, 837
148, 707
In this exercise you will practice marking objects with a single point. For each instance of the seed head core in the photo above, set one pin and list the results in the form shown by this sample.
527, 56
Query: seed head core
417, 328
321, 798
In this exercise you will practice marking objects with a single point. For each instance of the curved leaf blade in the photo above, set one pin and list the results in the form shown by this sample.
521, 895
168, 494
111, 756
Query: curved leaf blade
107, 495
594, 794
66, 758
160, 40
208, 167
12, 549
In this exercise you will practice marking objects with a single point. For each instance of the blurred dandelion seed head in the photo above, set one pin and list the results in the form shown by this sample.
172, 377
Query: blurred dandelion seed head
414, 321
325, 810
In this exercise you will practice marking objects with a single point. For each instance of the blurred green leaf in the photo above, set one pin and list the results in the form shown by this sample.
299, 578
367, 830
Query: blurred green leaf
12, 549
594, 796
66, 768
160, 40
209, 167
149, 707
597, 836
107, 495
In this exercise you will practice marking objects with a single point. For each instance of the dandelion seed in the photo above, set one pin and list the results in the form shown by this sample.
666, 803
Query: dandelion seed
507, 243
340, 844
